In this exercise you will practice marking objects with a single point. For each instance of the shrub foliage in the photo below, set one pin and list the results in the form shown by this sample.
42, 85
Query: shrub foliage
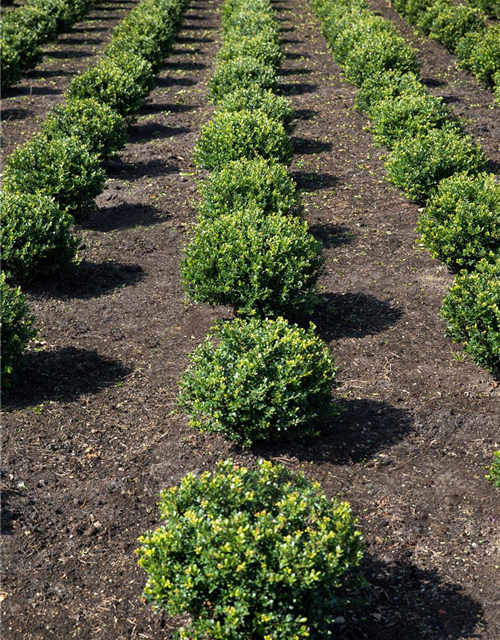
251, 554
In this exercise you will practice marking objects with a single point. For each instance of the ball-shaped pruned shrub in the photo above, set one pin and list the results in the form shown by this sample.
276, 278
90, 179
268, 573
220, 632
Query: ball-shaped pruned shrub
480, 53
261, 379
451, 23
241, 134
241, 73
258, 264
252, 98
248, 23
121, 81
379, 53
62, 168
10, 62
251, 554
417, 165
17, 327
258, 183
99, 127
396, 118
35, 236
256, 46
387, 85
461, 222
472, 312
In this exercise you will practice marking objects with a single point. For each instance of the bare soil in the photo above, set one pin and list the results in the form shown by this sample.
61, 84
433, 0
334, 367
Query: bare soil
91, 429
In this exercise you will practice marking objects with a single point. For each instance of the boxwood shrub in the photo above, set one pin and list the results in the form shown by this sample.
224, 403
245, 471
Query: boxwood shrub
240, 73
450, 23
35, 235
472, 312
122, 82
17, 328
99, 127
256, 183
494, 471
480, 53
417, 165
261, 379
396, 118
461, 223
265, 265
252, 554
250, 23
62, 168
379, 53
255, 46
253, 98
490, 7
386, 85
242, 134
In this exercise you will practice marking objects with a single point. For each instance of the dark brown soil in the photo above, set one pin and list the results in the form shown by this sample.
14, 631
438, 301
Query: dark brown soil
91, 430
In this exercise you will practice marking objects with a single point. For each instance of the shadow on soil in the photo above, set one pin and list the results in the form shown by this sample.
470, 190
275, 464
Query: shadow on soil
363, 429
153, 131
166, 107
297, 88
307, 145
64, 375
8, 515
123, 216
406, 602
331, 235
120, 170
314, 181
88, 280
353, 315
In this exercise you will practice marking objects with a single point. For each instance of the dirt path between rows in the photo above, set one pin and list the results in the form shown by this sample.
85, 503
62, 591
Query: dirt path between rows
92, 432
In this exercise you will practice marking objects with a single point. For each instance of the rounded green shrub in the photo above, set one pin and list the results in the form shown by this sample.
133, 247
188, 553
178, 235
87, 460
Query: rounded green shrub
249, 23
257, 183
386, 85
379, 53
17, 328
261, 380
461, 223
490, 7
122, 82
408, 115
451, 23
480, 53
241, 73
258, 264
253, 98
252, 554
417, 165
472, 312
351, 32
35, 236
241, 134
494, 471
62, 168
256, 46
10, 61
98, 126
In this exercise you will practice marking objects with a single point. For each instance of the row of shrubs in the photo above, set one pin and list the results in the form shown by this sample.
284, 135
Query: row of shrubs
490, 7
434, 162
54, 179
252, 553
463, 30
26, 28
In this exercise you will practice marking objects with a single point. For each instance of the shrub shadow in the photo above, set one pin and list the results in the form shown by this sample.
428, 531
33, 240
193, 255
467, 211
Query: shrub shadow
353, 315
16, 114
63, 55
410, 603
151, 108
188, 66
193, 40
123, 216
305, 114
173, 82
120, 170
308, 146
7, 515
362, 430
297, 88
314, 181
78, 41
18, 91
37, 74
88, 280
297, 56
295, 72
63, 374
332, 235
153, 130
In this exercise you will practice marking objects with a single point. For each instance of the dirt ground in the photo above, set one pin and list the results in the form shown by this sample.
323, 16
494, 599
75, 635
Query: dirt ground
91, 429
